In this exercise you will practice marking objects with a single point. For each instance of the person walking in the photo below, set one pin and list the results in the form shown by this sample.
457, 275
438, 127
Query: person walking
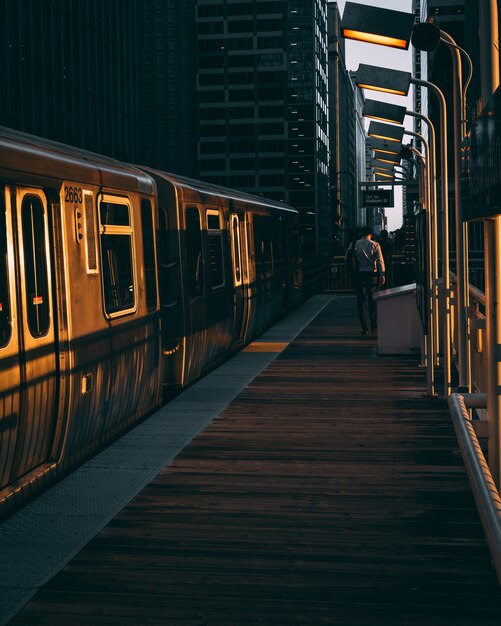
368, 276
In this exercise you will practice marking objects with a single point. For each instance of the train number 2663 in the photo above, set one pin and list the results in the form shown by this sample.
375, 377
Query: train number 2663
73, 194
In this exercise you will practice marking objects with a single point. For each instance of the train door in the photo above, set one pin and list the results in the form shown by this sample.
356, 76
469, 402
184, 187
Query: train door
36, 332
237, 236
10, 379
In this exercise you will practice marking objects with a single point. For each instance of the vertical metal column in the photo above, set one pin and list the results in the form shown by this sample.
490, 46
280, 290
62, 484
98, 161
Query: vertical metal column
489, 57
462, 339
446, 306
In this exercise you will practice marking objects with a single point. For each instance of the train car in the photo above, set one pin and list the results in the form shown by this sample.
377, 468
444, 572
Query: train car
229, 267
79, 307
119, 286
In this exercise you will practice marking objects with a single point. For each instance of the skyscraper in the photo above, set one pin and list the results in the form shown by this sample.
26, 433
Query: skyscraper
262, 103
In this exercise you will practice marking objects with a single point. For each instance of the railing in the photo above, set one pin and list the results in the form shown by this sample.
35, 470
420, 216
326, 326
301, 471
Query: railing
476, 317
338, 280
481, 481
468, 430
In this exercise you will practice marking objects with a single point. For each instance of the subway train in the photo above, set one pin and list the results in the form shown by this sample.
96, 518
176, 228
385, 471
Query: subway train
119, 286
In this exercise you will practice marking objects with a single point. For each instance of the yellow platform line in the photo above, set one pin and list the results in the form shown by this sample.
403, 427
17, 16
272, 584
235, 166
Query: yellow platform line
266, 346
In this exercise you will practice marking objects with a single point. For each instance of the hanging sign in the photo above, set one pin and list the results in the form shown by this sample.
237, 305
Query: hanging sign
377, 198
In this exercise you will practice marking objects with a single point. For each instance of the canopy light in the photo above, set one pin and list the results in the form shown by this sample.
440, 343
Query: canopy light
390, 132
375, 25
381, 165
384, 111
383, 146
383, 79
383, 174
426, 36
387, 158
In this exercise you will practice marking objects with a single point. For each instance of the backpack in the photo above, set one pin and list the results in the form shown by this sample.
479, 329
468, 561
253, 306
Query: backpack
351, 261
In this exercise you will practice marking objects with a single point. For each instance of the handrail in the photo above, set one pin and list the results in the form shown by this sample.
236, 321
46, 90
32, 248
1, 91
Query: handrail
478, 295
482, 484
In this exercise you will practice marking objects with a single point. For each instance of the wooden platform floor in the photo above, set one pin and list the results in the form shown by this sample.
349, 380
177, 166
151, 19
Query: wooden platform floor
331, 491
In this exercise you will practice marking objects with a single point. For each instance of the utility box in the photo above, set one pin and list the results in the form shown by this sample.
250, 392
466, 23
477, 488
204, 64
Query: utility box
399, 328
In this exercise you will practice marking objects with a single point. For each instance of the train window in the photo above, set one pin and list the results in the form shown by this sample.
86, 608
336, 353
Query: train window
263, 247
215, 245
149, 255
116, 255
194, 256
35, 265
236, 250
5, 327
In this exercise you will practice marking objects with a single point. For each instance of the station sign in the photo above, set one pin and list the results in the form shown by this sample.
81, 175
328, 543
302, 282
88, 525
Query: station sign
481, 164
379, 198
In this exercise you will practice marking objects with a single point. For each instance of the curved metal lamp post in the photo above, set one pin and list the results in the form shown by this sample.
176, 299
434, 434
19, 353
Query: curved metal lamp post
396, 81
427, 36
395, 114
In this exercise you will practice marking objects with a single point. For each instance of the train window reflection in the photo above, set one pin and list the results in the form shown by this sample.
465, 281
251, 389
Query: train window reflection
116, 214
236, 251
215, 245
194, 257
149, 255
116, 257
35, 265
263, 245
5, 327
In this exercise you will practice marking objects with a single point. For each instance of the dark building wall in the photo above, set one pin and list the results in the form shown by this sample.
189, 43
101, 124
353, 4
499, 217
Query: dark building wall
167, 96
69, 72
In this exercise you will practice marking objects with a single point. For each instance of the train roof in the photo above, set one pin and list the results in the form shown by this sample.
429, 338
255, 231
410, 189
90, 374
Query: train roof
43, 157
217, 190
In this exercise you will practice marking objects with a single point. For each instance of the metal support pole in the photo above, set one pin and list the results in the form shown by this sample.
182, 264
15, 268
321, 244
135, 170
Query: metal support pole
433, 228
461, 308
430, 335
446, 306
433, 221
489, 56
492, 251
430, 342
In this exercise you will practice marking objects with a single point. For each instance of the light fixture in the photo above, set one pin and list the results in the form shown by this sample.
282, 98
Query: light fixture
390, 132
426, 36
383, 146
383, 174
376, 25
384, 111
387, 158
382, 165
383, 79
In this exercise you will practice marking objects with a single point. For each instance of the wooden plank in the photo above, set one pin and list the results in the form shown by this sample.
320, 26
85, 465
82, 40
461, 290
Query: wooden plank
331, 491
